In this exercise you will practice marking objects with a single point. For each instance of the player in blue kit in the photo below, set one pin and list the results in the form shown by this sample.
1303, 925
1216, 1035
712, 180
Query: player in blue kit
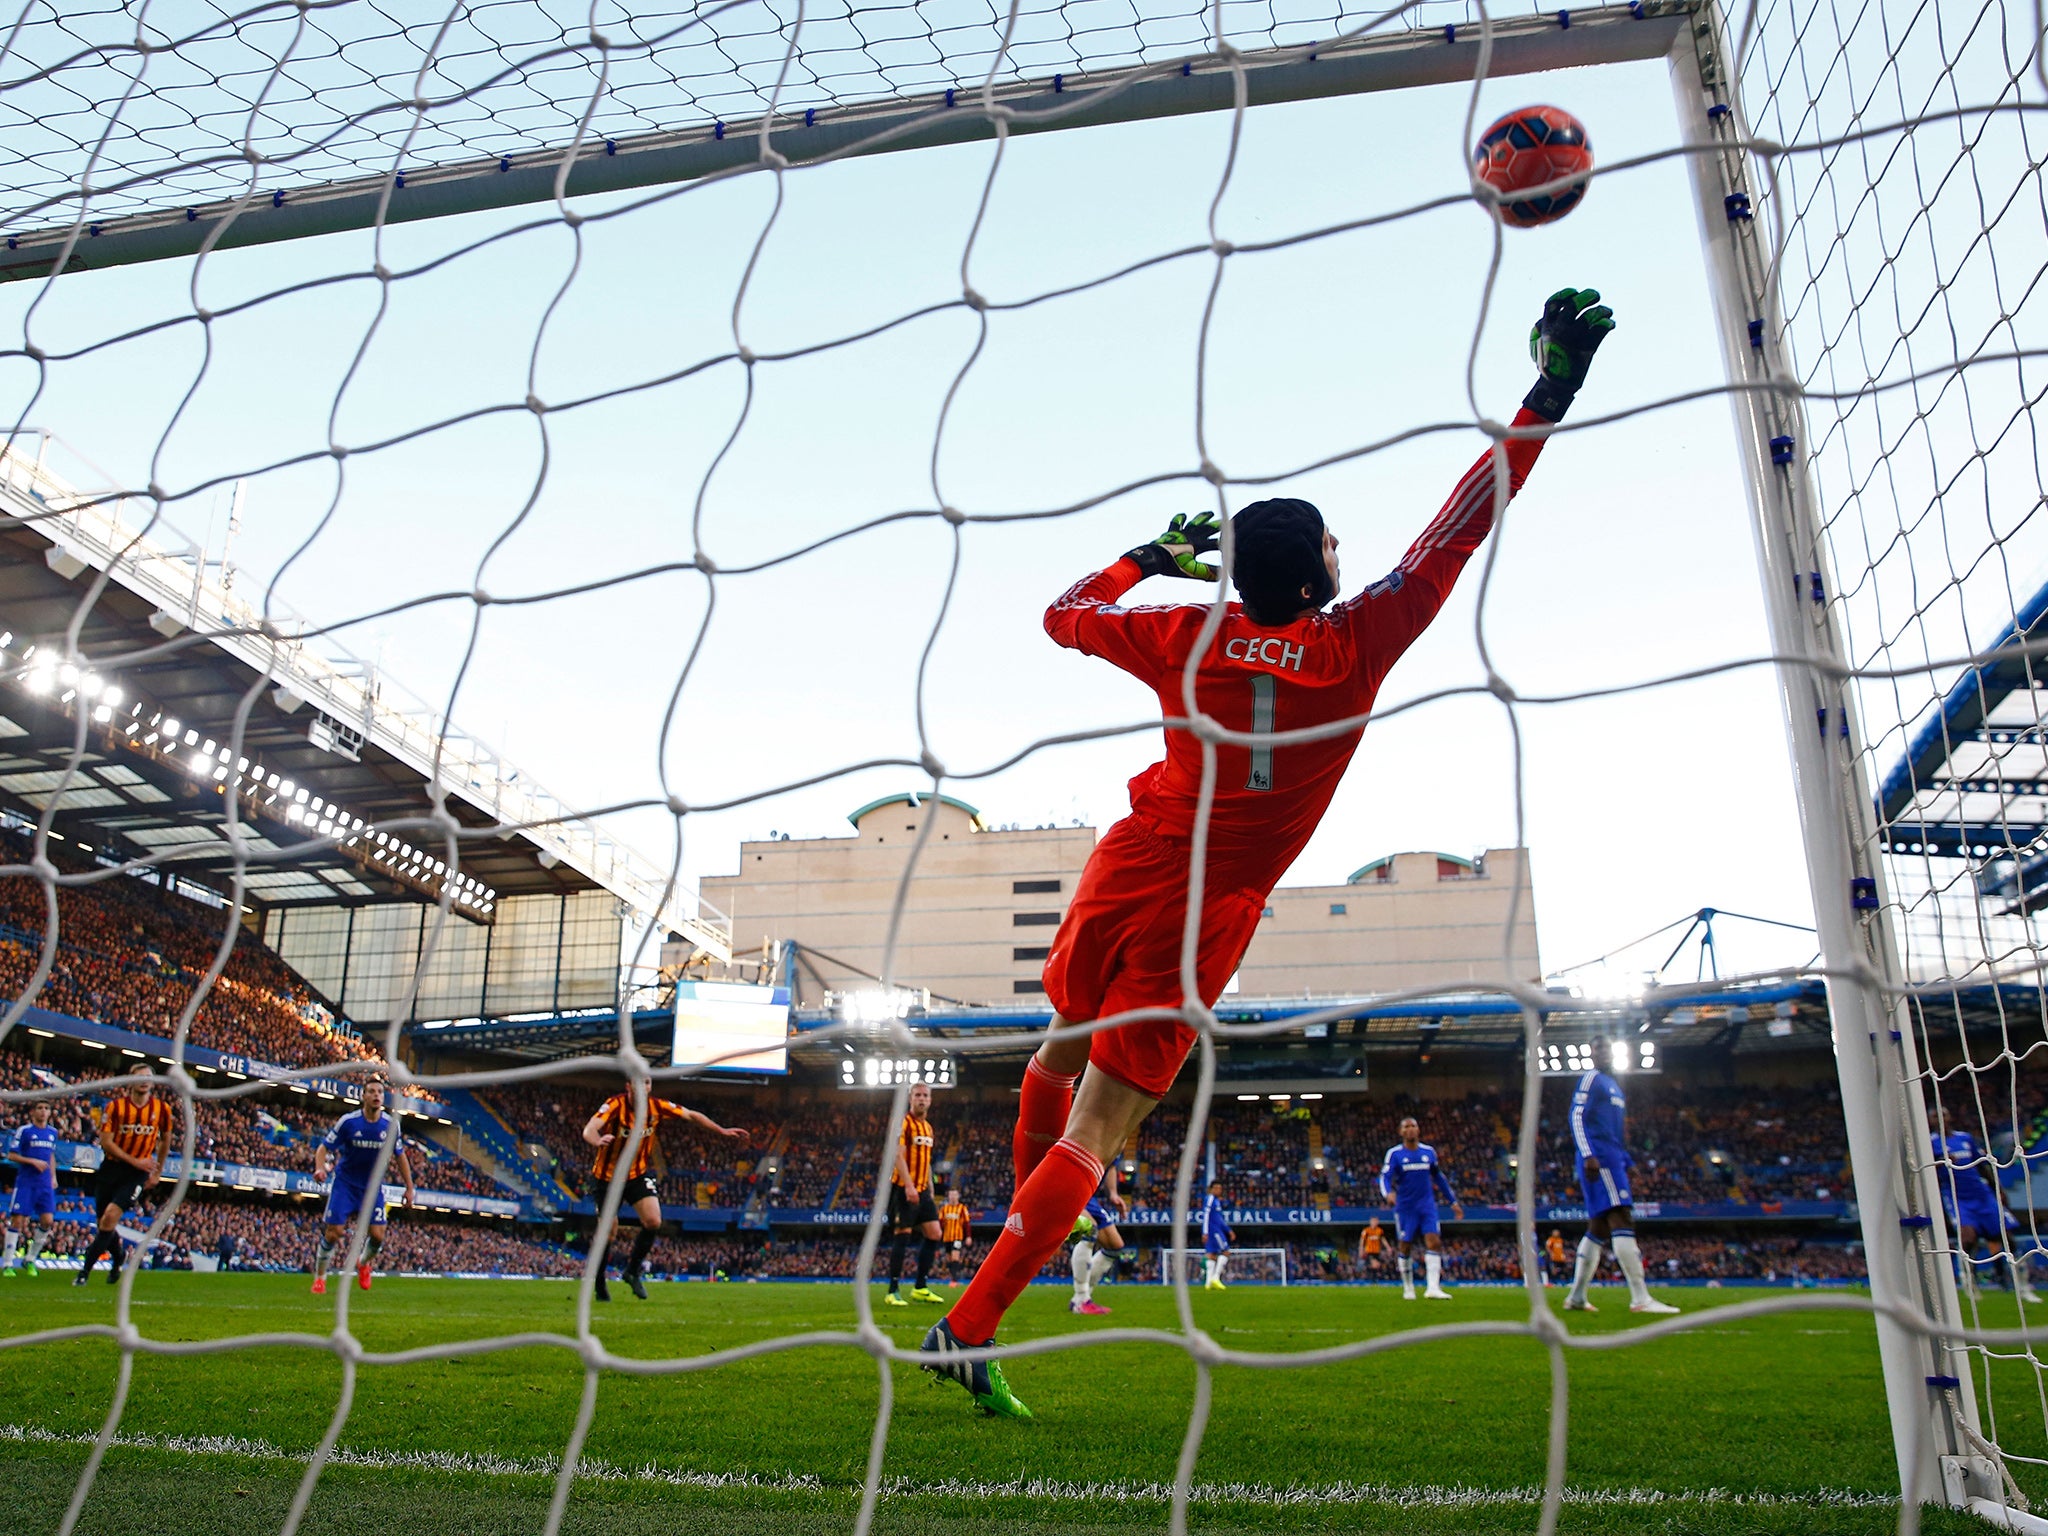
33, 1213
1410, 1176
1095, 1250
1216, 1239
1598, 1118
1976, 1210
352, 1148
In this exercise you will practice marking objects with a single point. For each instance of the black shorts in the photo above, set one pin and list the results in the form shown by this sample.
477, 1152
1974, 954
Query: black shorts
958, 1245
118, 1184
908, 1210
638, 1189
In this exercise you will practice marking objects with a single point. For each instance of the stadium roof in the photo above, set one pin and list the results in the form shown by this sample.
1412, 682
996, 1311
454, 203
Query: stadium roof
330, 746
1738, 1017
1973, 780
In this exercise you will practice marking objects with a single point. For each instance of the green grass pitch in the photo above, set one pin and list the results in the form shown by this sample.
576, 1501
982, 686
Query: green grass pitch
1763, 1424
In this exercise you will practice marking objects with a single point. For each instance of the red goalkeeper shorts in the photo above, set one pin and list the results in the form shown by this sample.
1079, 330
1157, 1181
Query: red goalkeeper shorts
1119, 948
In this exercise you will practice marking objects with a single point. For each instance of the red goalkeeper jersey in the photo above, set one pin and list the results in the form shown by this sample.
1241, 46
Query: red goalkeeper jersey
1327, 666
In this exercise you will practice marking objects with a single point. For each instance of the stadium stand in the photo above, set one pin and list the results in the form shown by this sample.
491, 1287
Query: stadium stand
130, 954
277, 1131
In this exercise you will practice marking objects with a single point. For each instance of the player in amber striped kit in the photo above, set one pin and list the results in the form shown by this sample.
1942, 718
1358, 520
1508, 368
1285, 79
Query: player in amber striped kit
911, 1206
956, 1232
135, 1133
608, 1132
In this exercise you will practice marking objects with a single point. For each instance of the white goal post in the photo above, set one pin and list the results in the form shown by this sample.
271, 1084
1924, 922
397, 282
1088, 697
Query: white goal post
1942, 1452
1255, 1266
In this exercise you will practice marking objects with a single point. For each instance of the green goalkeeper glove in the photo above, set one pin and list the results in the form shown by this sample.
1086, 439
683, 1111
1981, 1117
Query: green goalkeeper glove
1562, 344
1173, 552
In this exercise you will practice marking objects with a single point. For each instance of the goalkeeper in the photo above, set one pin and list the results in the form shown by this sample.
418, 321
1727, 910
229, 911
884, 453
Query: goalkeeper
1280, 662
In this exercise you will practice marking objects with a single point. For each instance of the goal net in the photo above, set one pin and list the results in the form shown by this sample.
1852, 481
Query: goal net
539, 286
1244, 1266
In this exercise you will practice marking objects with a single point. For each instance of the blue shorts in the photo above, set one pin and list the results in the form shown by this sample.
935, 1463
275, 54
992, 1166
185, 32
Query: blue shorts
1101, 1212
32, 1198
1215, 1245
1609, 1187
344, 1200
1978, 1209
1415, 1221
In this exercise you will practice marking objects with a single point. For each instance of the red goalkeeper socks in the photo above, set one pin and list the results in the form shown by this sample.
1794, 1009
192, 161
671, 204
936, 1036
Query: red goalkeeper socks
1041, 1215
1042, 1110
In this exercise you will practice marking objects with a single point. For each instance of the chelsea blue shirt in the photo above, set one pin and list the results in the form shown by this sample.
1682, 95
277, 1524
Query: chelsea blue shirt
1411, 1174
1956, 1156
40, 1143
1213, 1224
355, 1142
1599, 1114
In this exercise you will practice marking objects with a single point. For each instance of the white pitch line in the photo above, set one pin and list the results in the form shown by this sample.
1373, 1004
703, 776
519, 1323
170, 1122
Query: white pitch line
1407, 1496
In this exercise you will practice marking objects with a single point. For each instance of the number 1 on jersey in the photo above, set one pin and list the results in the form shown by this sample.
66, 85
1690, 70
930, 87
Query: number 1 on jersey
1261, 776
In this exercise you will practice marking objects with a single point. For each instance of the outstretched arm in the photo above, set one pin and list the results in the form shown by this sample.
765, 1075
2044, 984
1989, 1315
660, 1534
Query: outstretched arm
697, 1118
1401, 604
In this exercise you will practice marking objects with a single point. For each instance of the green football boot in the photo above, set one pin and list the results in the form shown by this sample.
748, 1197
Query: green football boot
982, 1379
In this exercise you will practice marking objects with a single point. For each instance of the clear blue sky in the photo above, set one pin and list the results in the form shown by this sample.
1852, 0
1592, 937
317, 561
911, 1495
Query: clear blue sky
1629, 554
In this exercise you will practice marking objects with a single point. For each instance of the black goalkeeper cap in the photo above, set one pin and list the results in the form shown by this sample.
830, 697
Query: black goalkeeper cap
1277, 551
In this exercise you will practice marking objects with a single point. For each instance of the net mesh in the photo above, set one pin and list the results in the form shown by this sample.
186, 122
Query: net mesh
1903, 199
112, 116
1909, 272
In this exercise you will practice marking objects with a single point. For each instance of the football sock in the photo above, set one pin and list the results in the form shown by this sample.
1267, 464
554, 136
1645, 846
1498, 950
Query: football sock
7, 1250
925, 1250
1630, 1258
1208, 1270
643, 1242
1083, 1257
1099, 1266
1041, 1215
1407, 1267
376, 1242
1042, 1109
1222, 1263
1588, 1266
36, 1239
1433, 1269
896, 1246
323, 1255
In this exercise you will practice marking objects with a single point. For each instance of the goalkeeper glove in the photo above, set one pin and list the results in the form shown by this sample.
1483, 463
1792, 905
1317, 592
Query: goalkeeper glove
1562, 343
1173, 552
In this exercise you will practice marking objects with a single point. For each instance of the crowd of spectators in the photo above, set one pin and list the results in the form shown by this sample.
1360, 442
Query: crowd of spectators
818, 1139
131, 954
692, 1168
279, 1131
275, 1236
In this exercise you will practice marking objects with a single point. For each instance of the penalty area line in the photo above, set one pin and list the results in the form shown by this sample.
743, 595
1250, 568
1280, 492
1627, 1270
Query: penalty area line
1412, 1496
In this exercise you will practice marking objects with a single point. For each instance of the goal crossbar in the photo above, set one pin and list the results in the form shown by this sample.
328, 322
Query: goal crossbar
1529, 44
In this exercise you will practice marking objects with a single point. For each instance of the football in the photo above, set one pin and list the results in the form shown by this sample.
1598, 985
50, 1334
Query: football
1534, 147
